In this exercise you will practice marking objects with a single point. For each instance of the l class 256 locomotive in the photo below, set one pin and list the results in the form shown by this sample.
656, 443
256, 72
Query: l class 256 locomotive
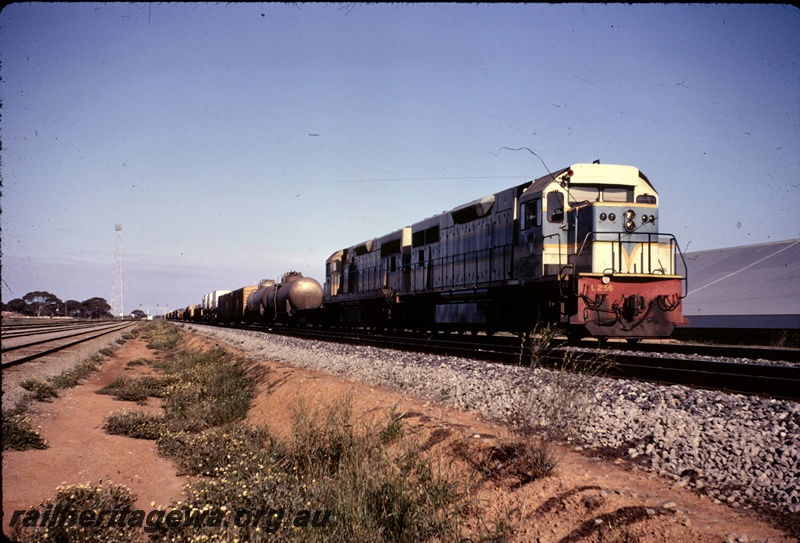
580, 248
592, 231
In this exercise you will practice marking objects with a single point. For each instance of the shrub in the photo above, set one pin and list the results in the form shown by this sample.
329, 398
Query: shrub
79, 498
210, 389
379, 492
557, 394
359, 488
138, 389
207, 452
18, 435
73, 377
395, 428
135, 424
322, 438
200, 390
41, 391
160, 335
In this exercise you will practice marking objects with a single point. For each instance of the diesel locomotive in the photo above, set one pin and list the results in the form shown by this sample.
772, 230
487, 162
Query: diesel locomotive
580, 248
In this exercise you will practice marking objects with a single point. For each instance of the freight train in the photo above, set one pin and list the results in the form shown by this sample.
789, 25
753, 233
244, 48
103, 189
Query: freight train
579, 248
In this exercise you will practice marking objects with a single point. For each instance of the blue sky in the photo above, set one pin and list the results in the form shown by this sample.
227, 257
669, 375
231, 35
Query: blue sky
238, 142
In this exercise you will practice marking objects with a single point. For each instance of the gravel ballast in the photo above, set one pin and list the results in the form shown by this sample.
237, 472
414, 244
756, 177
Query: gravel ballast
737, 449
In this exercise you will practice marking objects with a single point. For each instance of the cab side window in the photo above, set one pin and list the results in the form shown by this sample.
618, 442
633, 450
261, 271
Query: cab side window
531, 214
645, 199
555, 206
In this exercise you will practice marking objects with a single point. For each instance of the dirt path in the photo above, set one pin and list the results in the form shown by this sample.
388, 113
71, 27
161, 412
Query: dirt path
80, 451
587, 500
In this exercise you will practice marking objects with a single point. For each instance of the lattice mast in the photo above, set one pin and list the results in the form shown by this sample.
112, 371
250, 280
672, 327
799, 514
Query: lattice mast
117, 302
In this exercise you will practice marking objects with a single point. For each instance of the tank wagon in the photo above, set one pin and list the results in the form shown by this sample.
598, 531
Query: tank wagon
580, 247
291, 300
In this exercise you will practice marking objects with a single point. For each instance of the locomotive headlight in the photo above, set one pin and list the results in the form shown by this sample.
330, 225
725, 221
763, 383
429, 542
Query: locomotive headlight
644, 218
629, 226
652, 218
602, 216
630, 215
612, 217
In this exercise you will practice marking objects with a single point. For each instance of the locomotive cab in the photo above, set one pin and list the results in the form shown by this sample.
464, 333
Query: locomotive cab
590, 232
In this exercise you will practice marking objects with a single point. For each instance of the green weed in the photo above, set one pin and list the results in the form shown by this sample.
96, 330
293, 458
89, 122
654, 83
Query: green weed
135, 424
41, 391
160, 335
80, 498
19, 435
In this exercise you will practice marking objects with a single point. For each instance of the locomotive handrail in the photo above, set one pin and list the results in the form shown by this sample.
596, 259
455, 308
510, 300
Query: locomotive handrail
372, 278
685, 268
673, 245
560, 267
454, 270
444, 268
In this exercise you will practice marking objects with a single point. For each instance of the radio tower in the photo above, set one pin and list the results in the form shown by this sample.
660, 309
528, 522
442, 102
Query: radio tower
117, 304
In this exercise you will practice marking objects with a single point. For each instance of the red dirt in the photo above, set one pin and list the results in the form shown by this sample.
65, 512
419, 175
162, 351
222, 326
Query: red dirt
564, 507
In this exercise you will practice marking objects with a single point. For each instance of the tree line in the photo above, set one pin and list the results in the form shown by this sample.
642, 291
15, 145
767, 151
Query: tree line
41, 303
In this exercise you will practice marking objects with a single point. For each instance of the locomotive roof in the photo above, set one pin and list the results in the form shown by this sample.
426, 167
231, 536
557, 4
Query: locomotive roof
585, 174
608, 174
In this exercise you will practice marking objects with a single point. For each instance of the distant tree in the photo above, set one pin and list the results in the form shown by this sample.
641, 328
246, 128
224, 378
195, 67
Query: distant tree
17, 305
96, 308
41, 302
73, 308
138, 314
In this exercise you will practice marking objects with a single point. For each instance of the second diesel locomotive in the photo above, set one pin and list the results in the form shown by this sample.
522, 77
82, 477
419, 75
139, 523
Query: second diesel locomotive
579, 248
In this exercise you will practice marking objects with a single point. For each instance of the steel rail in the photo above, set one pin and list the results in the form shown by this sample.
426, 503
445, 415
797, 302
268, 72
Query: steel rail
722, 351
58, 348
744, 378
44, 329
80, 331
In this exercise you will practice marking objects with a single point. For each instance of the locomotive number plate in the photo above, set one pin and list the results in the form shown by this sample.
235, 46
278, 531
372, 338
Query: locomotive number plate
594, 287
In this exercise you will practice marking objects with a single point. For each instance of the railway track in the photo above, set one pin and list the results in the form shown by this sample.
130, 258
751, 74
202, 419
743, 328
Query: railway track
62, 337
644, 362
22, 330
